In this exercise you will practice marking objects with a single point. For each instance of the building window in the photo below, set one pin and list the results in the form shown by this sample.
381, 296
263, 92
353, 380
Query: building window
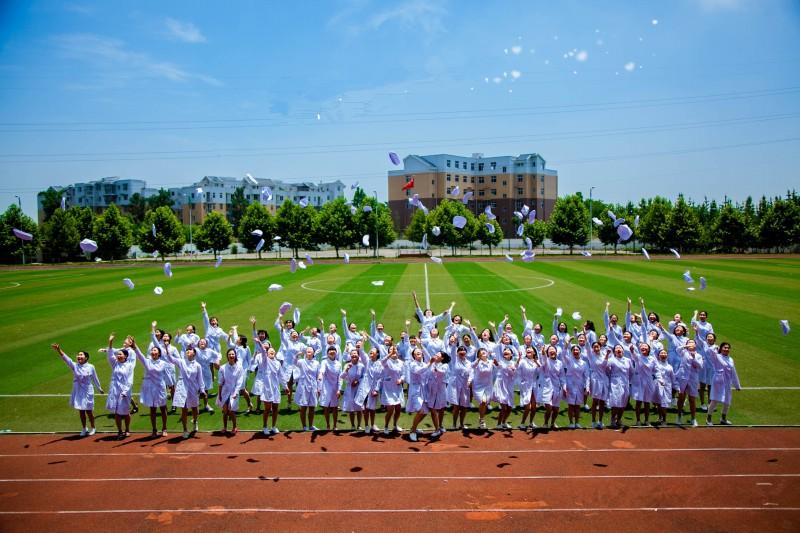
408, 178
541, 178
448, 177
493, 165
433, 182
448, 163
504, 183
542, 190
519, 178
504, 195
480, 193
519, 191
456, 177
480, 167
472, 179
519, 164
494, 179
504, 170
472, 166
481, 179
493, 191
456, 164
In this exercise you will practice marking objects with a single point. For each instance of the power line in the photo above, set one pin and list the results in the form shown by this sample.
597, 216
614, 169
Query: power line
471, 114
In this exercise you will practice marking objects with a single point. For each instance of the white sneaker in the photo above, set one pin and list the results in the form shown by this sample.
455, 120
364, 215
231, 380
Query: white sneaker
412, 436
306, 428
313, 428
386, 431
522, 427
600, 425
196, 427
499, 426
508, 426
571, 426
482, 425
704, 408
586, 407
266, 431
442, 430
709, 422
275, 430
375, 429
578, 426
84, 432
186, 434
679, 420
533, 426
368, 430
465, 426
398, 429
436, 433
694, 422
726, 422
92, 431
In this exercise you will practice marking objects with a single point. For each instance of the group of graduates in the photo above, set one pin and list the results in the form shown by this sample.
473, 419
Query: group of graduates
445, 363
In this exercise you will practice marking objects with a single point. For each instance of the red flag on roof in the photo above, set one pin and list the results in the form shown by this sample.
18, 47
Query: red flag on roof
408, 185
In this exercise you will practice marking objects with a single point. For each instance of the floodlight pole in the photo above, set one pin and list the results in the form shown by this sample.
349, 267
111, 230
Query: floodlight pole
376, 224
591, 214
19, 203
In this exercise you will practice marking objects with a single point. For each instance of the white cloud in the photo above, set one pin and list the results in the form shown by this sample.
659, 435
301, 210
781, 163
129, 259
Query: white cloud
112, 54
184, 31
426, 15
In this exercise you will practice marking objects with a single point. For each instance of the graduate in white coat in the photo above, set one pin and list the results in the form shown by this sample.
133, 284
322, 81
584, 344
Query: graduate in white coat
458, 388
598, 382
84, 379
528, 370
427, 319
119, 389
229, 377
645, 392
576, 372
392, 397
352, 374
688, 377
208, 358
620, 374
725, 378
434, 397
552, 385
482, 383
330, 387
192, 386
503, 390
267, 385
152, 393
613, 330
665, 385
702, 328
369, 388
307, 388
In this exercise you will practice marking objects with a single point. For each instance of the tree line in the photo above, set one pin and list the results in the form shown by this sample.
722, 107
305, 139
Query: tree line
771, 224
158, 230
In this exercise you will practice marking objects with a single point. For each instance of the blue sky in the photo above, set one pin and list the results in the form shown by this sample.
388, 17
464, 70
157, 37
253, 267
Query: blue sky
634, 98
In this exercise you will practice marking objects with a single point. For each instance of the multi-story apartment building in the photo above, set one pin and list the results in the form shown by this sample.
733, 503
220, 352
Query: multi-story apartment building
215, 196
99, 194
504, 182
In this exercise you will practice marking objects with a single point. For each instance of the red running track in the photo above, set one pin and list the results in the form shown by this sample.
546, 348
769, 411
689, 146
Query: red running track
712, 479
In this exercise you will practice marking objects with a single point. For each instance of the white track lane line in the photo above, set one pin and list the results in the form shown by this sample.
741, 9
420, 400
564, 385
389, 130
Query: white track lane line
217, 510
393, 478
403, 452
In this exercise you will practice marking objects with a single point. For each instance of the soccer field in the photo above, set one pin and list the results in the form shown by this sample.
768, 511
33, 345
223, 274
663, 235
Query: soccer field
79, 307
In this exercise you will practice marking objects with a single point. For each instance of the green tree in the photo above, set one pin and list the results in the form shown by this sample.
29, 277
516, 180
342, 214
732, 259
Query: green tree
418, 226
729, 228
568, 222
112, 231
751, 223
378, 219
358, 197
50, 201
215, 233
488, 238
780, 225
536, 232
137, 207
60, 237
442, 215
336, 225
654, 223
84, 221
238, 207
13, 249
256, 216
683, 229
169, 238
296, 226
161, 199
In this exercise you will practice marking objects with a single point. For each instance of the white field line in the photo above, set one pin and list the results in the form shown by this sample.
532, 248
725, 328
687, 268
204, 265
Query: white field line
391, 478
401, 452
219, 510
427, 291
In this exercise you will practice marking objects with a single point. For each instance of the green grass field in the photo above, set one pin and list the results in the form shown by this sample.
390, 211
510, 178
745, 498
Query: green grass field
79, 307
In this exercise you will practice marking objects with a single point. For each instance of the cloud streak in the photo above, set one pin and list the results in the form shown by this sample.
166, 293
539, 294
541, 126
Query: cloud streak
425, 15
184, 31
109, 53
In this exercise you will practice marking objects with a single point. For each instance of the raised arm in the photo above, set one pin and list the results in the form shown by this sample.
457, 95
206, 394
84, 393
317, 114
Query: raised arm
110, 351
206, 321
69, 362
606, 319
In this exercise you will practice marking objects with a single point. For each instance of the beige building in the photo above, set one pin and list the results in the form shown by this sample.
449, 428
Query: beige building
504, 182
